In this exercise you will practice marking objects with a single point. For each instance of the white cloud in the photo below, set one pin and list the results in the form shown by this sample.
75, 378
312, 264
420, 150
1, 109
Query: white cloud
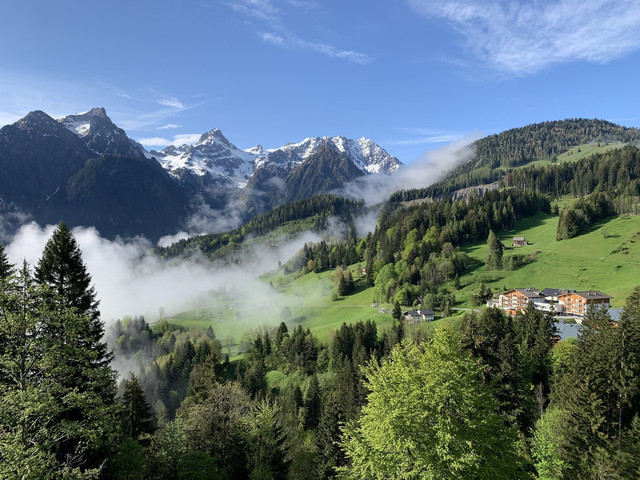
333, 52
169, 126
273, 38
522, 37
431, 167
184, 138
171, 102
444, 138
282, 36
129, 280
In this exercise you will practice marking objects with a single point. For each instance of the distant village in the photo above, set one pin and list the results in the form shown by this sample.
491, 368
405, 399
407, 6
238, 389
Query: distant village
568, 307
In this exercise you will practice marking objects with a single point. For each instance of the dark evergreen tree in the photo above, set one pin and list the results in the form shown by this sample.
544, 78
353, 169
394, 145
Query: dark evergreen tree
6, 268
312, 404
397, 311
62, 269
494, 257
136, 413
57, 411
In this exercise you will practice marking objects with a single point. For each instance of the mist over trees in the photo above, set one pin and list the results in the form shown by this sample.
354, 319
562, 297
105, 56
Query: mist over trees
495, 397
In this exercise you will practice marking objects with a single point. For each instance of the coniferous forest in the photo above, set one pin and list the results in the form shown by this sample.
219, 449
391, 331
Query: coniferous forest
490, 397
495, 397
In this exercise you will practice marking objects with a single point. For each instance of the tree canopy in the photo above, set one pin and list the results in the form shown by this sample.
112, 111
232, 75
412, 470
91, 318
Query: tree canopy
429, 416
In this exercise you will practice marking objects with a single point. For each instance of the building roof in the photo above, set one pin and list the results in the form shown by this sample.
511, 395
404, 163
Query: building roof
568, 330
554, 292
591, 295
518, 239
615, 313
529, 292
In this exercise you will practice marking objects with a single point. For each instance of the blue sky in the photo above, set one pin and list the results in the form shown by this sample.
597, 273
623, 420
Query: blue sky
410, 74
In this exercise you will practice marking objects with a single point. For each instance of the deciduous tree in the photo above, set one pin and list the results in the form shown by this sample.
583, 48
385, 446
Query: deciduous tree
429, 417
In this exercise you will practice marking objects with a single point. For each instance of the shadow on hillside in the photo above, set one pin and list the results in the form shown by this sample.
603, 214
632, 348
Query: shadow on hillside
597, 225
527, 223
359, 285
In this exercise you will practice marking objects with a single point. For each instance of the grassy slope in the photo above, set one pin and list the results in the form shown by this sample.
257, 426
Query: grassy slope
310, 304
607, 258
573, 154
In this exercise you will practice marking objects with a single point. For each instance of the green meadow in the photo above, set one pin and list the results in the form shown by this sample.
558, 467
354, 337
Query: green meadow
308, 299
606, 258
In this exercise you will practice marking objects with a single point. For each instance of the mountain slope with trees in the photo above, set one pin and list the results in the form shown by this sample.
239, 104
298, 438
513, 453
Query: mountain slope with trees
493, 156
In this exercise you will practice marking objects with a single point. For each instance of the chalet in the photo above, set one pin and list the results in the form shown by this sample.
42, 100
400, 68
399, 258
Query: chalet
577, 303
519, 242
518, 299
545, 305
551, 294
417, 316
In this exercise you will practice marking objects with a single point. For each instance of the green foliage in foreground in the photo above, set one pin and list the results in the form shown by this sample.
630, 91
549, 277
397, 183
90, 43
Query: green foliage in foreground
429, 417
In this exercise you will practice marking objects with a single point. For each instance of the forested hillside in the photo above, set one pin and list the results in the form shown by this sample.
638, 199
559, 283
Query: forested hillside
316, 211
487, 396
497, 154
496, 397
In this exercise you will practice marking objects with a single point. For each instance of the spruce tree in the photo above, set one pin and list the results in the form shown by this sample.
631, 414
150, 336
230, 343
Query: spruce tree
62, 269
136, 414
6, 268
494, 257
312, 404
56, 411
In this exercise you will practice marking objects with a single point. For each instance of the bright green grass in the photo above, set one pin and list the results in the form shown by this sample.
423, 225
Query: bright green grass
583, 151
572, 155
309, 298
607, 258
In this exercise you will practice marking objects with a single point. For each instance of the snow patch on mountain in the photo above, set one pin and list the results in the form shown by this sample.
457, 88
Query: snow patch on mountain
213, 154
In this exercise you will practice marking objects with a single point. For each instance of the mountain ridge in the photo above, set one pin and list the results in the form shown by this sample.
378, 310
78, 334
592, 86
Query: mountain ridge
57, 170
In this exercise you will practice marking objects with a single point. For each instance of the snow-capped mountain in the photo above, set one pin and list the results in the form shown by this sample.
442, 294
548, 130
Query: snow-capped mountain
100, 134
85, 170
364, 153
213, 155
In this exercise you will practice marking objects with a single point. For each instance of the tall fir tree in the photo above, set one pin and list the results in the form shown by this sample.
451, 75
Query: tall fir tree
6, 268
312, 404
62, 269
136, 414
57, 415
494, 257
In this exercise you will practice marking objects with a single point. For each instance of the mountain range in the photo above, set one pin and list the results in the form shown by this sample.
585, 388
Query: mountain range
85, 170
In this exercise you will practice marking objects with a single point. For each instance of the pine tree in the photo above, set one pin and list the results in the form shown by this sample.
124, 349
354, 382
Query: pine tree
494, 257
136, 414
397, 311
56, 410
62, 269
312, 404
6, 268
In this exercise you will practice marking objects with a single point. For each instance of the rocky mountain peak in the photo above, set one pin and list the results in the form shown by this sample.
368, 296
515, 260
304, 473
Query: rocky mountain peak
214, 136
100, 134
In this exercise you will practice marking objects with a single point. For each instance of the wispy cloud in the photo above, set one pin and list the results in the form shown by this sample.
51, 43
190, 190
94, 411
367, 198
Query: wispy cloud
169, 126
171, 102
520, 37
277, 33
412, 136
425, 140
330, 51
273, 38
261, 9
161, 142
